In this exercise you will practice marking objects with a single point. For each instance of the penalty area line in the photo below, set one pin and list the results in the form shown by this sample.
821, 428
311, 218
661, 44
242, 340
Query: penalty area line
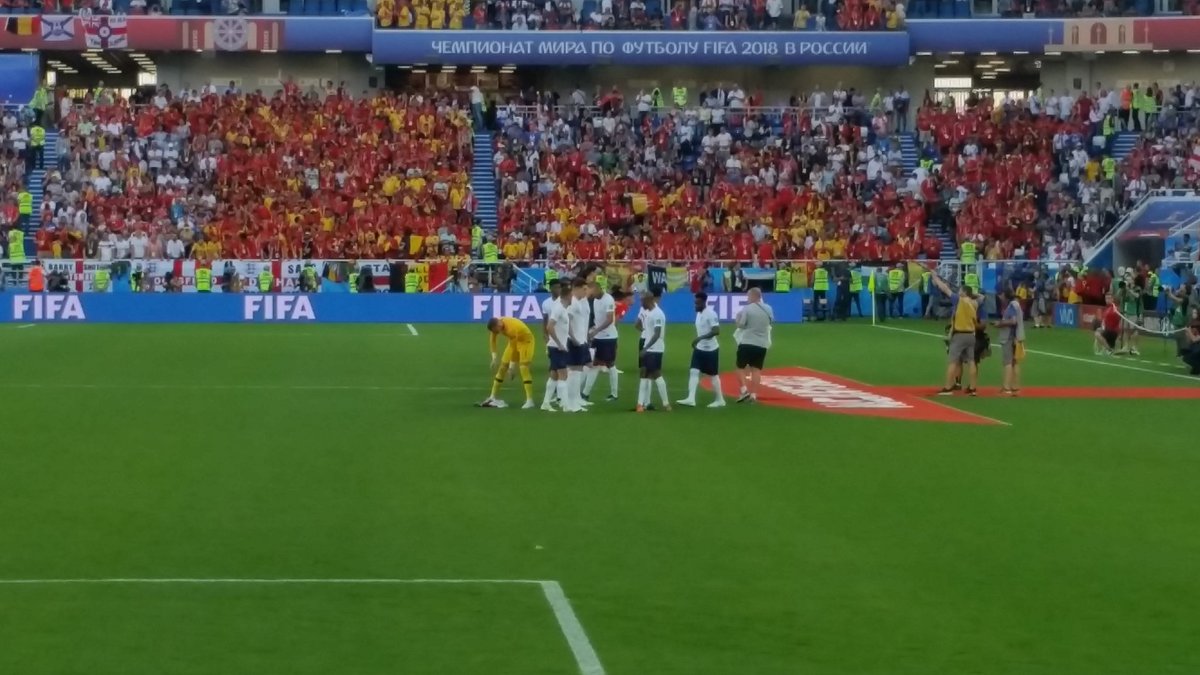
1056, 355
412, 329
585, 655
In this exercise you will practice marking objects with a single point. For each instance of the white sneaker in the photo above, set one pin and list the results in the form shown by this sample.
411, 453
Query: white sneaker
1134, 352
585, 403
549, 408
689, 402
717, 404
529, 404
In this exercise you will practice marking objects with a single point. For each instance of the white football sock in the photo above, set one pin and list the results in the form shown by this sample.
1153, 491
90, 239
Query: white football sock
693, 383
643, 392
551, 386
716, 385
572, 389
580, 380
612, 381
589, 380
561, 385
662, 390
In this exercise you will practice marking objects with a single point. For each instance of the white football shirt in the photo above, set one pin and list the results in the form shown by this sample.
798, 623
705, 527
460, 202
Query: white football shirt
580, 313
654, 319
604, 308
706, 320
562, 325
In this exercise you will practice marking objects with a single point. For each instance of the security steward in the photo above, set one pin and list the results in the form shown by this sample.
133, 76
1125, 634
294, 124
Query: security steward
37, 278
964, 323
821, 293
896, 289
266, 280
203, 279
856, 286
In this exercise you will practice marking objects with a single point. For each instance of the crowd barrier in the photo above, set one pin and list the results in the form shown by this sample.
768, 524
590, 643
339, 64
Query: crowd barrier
335, 308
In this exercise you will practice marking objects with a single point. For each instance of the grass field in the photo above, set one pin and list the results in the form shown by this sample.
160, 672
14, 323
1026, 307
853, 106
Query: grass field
759, 540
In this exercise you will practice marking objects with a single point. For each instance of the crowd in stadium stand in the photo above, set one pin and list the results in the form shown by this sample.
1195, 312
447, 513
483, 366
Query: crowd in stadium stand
206, 175
709, 15
1023, 179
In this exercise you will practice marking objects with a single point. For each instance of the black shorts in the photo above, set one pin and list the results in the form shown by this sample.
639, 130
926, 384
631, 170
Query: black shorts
606, 351
751, 356
1110, 338
707, 363
579, 355
651, 362
558, 359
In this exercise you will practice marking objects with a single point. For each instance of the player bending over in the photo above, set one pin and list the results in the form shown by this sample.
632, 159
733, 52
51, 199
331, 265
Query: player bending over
650, 359
604, 341
519, 350
705, 353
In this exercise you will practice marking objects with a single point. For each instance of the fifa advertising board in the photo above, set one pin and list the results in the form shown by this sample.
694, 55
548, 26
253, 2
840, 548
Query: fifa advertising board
28, 308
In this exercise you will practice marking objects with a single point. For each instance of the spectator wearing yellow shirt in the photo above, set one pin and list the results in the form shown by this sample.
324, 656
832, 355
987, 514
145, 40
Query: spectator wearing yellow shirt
800, 19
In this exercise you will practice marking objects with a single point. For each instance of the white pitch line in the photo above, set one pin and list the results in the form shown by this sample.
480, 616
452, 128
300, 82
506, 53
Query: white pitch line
222, 387
27, 325
577, 639
1056, 355
568, 622
412, 329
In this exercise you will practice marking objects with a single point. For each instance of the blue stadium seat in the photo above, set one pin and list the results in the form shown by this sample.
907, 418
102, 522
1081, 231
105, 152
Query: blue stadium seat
312, 8
361, 8
328, 7
654, 9
295, 7
343, 6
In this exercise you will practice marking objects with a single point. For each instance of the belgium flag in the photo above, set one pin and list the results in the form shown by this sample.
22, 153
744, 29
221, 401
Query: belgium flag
22, 25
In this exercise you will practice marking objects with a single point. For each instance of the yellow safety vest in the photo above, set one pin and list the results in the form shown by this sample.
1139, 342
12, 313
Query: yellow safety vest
265, 281
1155, 285
821, 279
895, 280
855, 281
354, 282
783, 281
551, 276
491, 253
412, 282
968, 253
476, 237
203, 279
16, 245
971, 280
679, 95
100, 280
602, 282
25, 203
926, 278
964, 316
37, 136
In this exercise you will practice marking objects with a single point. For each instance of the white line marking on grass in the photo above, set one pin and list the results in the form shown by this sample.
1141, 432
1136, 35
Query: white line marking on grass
222, 387
577, 639
568, 622
1057, 355
27, 325
412, 329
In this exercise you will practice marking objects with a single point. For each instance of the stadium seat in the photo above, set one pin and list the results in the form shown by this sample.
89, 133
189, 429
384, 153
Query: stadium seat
328, 7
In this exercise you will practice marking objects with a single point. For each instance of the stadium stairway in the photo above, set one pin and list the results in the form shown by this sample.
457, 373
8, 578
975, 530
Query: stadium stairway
1124, 144
483, 183
908, 152
36, 182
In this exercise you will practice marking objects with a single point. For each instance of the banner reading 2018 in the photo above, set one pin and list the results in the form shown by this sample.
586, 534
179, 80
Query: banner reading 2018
550, 48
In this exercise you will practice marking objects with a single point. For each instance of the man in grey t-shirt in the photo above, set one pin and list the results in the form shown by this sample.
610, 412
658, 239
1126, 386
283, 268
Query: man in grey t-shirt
753, 336
1012, 340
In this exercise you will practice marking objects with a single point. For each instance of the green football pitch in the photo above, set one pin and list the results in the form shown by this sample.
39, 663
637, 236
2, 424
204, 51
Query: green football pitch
257, 499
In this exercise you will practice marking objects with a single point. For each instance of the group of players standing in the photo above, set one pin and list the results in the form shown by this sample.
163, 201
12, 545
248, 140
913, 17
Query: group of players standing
579, 322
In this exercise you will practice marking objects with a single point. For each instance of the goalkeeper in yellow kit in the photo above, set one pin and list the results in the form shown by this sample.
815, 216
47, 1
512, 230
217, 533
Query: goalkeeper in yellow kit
519, 350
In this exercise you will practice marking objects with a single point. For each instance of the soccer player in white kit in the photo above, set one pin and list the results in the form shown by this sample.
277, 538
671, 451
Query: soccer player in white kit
579, 354
555, 288
705, 354
654, 336
604, 341
558, 330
